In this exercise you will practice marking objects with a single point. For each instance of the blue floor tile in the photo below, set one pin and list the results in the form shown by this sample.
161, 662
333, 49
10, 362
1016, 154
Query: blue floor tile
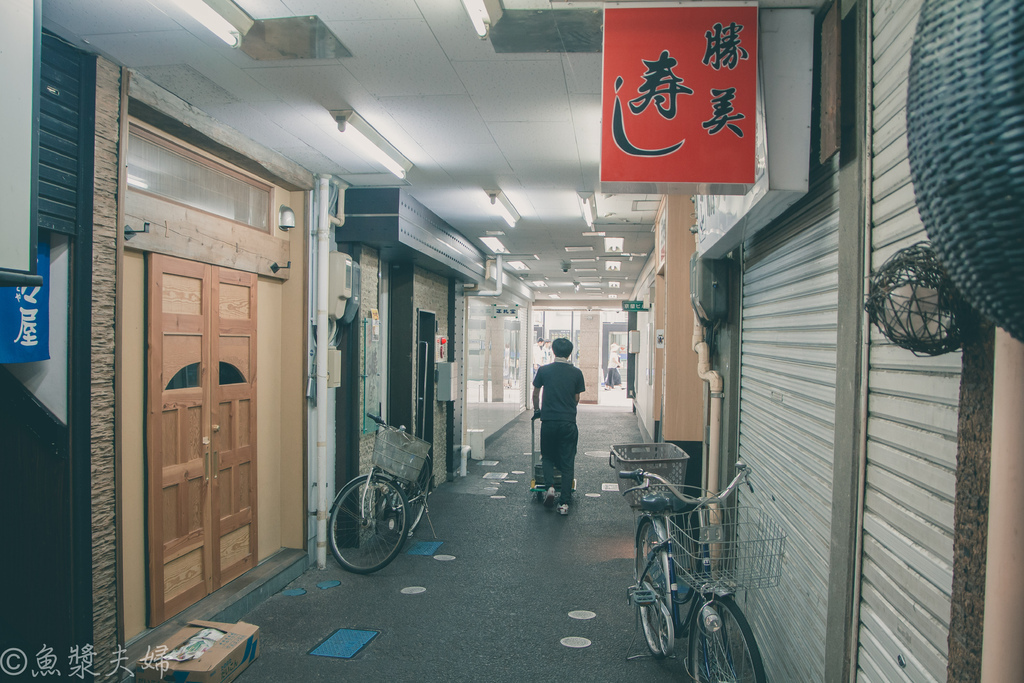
344, 643
424, 548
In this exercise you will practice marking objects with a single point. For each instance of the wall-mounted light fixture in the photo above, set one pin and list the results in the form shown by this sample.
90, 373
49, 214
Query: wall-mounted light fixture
588, 206
504, 207
223, 18
484, 14
367, 142
285, 218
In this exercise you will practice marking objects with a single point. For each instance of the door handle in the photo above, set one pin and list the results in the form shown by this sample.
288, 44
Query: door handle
216, 464
215, 428
206, 459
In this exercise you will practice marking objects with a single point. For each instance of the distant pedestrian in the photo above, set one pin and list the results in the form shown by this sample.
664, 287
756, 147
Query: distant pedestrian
613, 378
562, 383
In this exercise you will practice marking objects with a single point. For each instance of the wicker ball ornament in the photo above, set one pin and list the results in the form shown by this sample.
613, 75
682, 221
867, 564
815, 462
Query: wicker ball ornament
965, 133
914, 303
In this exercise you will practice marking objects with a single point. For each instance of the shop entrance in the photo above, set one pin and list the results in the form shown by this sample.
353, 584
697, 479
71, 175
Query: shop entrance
200, 429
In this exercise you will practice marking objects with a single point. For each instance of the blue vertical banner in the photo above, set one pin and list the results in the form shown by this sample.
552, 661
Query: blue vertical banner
25, 317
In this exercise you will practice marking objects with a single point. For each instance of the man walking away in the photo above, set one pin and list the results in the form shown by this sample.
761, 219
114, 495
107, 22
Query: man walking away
562, 383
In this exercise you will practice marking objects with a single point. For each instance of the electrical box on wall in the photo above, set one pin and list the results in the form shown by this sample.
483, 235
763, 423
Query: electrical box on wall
447, 381
709, 279
333, 368
440, 348
339, 284
633, 341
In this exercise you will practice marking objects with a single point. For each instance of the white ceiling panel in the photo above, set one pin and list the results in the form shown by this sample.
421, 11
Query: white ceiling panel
583, 72
265, 9
354, 10
255, 123
397, 58
540, 153
118, 16
443, 119
331, 86
476, 164
517, 91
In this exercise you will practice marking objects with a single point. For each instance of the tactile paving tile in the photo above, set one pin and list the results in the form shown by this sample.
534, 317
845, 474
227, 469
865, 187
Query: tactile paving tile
344, 643
424, 548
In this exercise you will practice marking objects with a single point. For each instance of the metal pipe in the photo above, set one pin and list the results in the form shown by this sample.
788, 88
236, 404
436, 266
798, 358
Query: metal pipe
716, 386
498, 274
1002, 657
323, 247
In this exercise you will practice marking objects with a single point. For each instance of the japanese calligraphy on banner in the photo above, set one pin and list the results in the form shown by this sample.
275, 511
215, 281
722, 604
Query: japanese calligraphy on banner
25, 317
679, 96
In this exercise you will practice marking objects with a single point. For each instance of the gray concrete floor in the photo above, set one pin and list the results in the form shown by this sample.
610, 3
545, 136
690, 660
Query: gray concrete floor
499, 610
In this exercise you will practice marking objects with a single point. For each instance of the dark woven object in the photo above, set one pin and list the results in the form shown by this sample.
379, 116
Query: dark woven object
914, 303
965, 131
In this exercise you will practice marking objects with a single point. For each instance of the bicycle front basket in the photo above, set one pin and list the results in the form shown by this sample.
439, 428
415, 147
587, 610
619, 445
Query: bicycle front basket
736, 548
400, 454
665, 459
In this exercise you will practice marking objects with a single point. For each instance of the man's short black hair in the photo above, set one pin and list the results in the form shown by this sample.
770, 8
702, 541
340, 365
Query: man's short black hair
561, 347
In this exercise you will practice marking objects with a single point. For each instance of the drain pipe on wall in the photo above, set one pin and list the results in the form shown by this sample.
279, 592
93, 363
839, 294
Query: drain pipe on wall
498, 274
717, 391
323, 248
1002, 658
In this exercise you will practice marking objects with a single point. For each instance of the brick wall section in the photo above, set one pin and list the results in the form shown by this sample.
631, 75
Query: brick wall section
369, 299
430, 293
104, 284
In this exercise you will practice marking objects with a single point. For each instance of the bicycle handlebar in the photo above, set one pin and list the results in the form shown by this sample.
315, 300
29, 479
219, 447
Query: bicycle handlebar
742, 473
380, 421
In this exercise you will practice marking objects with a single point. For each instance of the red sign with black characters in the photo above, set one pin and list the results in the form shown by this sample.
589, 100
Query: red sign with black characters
679, 94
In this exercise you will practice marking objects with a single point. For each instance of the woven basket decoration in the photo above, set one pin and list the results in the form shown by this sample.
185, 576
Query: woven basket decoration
965, 132
914, 303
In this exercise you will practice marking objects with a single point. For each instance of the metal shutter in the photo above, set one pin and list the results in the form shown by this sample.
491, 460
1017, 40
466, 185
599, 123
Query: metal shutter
912, 417
787, 417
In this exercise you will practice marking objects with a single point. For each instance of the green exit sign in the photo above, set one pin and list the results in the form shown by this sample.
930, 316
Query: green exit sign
633, 306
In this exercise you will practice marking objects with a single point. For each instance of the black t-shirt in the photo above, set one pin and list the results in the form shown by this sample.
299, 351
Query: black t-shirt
561, 381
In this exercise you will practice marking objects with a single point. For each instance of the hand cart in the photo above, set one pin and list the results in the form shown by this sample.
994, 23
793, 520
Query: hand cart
538, 486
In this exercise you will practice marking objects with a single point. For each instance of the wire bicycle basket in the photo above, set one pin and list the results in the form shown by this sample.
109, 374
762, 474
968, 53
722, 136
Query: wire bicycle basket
400, 454
664, 459
728, 549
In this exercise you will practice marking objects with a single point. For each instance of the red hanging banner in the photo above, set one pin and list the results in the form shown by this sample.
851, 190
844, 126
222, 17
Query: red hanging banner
679, 95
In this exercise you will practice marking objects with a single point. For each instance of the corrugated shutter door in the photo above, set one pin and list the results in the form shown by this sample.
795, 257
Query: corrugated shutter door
58, 141
912, 418
787, 417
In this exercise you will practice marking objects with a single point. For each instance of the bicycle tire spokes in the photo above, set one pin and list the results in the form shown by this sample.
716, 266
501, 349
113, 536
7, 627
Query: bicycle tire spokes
368, 524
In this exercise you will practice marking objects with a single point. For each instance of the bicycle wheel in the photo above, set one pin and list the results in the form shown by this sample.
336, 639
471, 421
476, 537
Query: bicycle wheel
726, 651
368, 523
418, 495
652, 572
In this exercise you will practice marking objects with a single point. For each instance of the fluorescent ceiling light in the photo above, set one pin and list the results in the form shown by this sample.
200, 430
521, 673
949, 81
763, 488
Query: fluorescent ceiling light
583, 260
539, 283
594, 233
495, 232
554, 296
483, 14
223, 18
588, 206
494, 244
367, 142
612, 265
613, 296
518, 265
504, 207
613, 244
613, 284
585, 270
574, 249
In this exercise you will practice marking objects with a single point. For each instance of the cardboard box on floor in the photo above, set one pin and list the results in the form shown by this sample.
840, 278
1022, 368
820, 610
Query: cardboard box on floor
228, 657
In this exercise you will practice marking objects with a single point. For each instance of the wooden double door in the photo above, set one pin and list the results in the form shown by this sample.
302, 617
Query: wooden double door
200, 432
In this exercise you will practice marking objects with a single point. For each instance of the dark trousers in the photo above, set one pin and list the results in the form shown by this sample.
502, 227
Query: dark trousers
558, 440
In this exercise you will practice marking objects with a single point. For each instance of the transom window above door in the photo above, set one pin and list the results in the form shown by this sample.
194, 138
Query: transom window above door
160, 167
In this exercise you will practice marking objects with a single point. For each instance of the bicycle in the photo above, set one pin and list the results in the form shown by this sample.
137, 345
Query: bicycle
374, 513
714, 550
